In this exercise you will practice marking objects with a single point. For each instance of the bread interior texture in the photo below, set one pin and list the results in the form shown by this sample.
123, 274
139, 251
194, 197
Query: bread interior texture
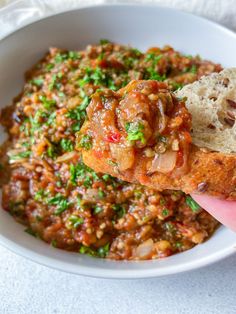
212, 103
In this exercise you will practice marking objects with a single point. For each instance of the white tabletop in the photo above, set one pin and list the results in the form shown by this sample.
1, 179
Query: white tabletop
26, 287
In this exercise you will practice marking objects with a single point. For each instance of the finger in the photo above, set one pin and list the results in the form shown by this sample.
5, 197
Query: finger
223, 211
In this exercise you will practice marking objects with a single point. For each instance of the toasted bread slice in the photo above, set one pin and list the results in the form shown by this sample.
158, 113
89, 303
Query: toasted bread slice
211, 158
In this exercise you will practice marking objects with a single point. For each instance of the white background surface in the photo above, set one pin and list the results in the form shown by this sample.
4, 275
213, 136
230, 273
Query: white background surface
29, 288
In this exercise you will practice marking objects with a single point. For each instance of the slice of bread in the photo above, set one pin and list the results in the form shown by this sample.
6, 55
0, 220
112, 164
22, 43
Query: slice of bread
212, 103
212, 157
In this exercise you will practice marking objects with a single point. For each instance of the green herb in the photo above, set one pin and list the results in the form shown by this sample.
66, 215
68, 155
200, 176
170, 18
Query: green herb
193, 69
51, 119
152, 73
38, 218
153, 57
37, 81
31, 232
178, 244
66, 145
103, 251
129, 62
101, 56
192, 204
24, 128
119, 209
136, 52
162, 201
87, 250
59, 184
74, 55
49, 66
97, 210
60, 57
34, 121
79, 113
170, 227
86, 142
47, 103
54, 82
83, 173
26, 144
101, 194
104, 41
25, 154
40, 195
165, 212
176, 85
54, 243
76, 221
138, 194
135, 132
98, 77
52, 151
107, 177
60, 202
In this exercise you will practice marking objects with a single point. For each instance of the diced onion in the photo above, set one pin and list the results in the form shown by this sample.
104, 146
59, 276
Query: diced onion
124, 156
66, 157
145, 249
164, 163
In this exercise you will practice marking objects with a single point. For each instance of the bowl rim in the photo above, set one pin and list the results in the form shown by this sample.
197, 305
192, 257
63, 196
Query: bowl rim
102, 273
117, 273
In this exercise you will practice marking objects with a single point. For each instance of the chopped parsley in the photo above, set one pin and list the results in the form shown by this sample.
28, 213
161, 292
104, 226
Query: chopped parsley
60, 57
193, 69
25, 154
135, 132
76, 221
165, 212
47, 103
31, 232
152, 73
55, 81
51, 119
54, 243
101, 194
162, 201
60, 202
192, 204
79, 113
86, 142
107, 177
37, 81
40, 195
49, 66
66, 145
103, 251
82, 173
87, 250
119, 209
51, 151
104, 41
154, 58
97, 210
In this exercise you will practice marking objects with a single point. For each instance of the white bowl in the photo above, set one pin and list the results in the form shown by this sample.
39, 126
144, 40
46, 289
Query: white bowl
142, 27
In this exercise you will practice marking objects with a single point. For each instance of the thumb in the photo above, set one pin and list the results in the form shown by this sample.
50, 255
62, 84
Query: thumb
223, 211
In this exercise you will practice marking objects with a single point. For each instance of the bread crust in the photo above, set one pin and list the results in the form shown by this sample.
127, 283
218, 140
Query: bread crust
210, 173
